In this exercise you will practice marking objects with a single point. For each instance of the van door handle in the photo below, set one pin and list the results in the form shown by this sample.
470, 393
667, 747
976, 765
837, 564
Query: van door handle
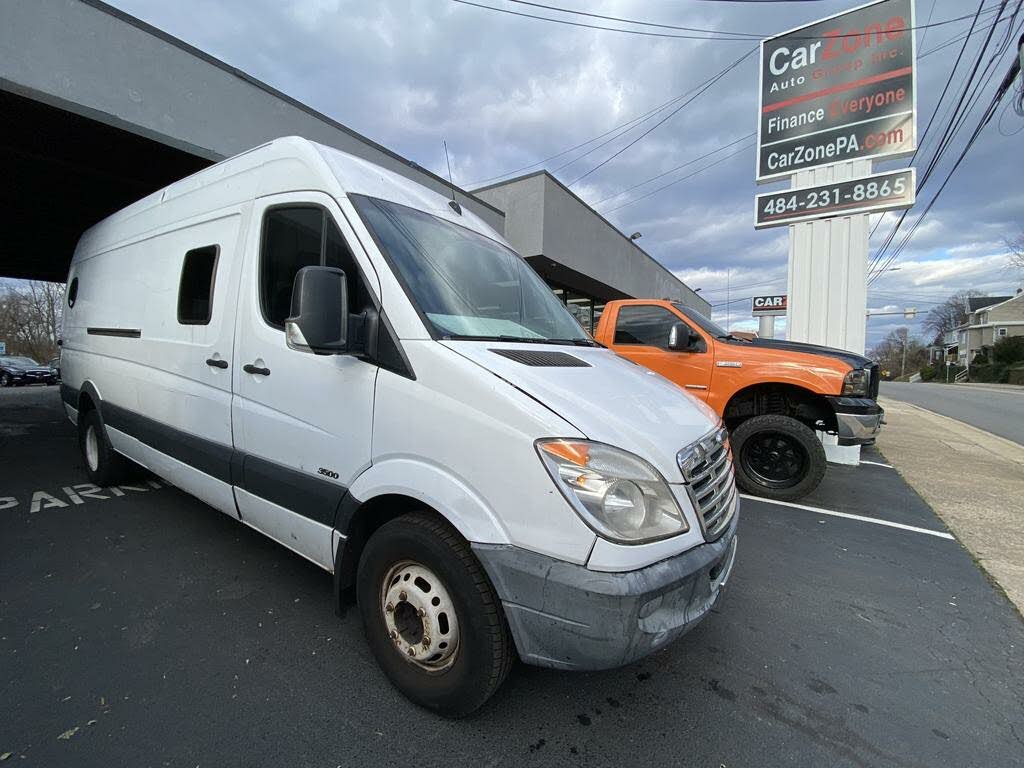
250, 368
216, 363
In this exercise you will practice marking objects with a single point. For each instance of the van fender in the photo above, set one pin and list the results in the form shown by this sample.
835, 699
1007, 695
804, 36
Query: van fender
88, 391
436, 487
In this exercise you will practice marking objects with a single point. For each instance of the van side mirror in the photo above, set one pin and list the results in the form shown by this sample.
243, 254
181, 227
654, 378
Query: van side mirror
681, 338
319, 314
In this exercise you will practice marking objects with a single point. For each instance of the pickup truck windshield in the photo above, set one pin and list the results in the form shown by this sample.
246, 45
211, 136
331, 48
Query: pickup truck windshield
464, 284
706, 323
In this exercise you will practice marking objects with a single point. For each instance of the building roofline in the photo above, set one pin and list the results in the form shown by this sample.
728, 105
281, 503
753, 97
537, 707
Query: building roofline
616, 230
210, 59
1004, 301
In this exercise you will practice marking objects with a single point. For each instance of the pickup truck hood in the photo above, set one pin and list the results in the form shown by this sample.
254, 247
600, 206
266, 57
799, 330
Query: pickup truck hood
610, 399
850, 358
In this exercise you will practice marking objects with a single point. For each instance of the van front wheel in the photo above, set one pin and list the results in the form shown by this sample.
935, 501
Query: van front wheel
431, 616
777, 457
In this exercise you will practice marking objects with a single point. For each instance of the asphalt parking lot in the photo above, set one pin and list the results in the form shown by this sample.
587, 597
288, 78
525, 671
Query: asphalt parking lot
140, 627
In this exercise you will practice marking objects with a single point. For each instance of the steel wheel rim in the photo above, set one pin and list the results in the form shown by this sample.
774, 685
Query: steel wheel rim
92, 448
420, 616
775, 459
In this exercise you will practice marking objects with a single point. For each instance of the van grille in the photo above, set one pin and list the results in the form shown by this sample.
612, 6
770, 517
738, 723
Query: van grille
542, 358
707, 469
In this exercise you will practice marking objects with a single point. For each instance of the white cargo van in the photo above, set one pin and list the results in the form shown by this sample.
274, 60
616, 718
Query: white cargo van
351, 364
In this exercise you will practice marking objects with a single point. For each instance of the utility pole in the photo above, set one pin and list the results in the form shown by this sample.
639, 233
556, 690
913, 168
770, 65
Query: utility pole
903, 365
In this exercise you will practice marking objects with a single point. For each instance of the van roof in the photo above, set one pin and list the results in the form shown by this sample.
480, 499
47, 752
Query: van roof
287, 164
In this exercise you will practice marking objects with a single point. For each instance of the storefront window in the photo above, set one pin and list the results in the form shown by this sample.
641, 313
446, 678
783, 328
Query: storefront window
581, 307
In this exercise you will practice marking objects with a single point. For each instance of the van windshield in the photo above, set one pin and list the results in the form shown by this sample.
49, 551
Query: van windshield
467, 286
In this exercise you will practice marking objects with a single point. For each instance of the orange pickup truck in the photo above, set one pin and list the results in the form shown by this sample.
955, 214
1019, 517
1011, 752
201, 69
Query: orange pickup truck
771, 394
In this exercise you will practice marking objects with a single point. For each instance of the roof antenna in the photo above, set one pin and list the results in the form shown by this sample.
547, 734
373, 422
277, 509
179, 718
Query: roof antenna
453, 204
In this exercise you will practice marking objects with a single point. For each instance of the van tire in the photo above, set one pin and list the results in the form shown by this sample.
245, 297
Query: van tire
760, 438
485, 649
104, 465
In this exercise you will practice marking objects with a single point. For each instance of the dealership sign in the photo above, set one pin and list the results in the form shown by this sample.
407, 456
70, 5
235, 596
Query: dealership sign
839, 89
769, 306
868, 194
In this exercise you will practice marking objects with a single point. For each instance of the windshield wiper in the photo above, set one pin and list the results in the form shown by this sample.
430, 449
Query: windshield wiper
521, 339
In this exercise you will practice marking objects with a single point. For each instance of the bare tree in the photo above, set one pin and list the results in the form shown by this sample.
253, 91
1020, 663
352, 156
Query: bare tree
951, 313
899, 353
30, 317
1016, 252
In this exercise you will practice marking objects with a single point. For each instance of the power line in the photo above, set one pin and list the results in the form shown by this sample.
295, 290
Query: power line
714, 34
955, 123
947, 134
677, 168
707, 84
683, 178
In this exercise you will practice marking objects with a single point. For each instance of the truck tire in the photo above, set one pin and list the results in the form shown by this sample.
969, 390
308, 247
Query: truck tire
431, 616
777, 457
104, 465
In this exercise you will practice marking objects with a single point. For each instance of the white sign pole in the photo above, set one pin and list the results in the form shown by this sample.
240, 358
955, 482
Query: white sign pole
828, 296
766, 327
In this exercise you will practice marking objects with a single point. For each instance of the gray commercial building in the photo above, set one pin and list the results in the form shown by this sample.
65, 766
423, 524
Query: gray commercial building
583, 256
100, 109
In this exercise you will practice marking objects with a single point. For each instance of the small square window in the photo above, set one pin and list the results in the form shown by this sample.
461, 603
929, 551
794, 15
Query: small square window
1000, 332
195, 292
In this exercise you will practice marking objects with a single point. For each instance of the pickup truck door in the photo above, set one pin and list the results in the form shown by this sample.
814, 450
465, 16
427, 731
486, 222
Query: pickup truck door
641, 334
302, 422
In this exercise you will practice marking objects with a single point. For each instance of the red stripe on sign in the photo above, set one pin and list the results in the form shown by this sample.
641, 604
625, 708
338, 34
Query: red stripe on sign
838, 89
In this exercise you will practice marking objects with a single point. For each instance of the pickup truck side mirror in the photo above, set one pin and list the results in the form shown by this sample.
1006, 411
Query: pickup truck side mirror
681, 338
319, 313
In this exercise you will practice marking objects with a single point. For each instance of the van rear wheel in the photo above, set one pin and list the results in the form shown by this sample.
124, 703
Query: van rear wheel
431, 616
103, 464
777, 457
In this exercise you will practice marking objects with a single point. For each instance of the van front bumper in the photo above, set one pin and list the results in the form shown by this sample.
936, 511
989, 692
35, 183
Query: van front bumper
858, 419
569, 617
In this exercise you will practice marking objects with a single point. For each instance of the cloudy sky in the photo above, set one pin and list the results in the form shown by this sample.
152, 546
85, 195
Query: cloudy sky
506, 92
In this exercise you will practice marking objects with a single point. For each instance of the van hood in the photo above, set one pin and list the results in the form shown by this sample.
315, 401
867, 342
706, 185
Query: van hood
609, 399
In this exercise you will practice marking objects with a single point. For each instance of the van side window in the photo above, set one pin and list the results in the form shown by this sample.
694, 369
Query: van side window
195, 291
295, 237
647, 325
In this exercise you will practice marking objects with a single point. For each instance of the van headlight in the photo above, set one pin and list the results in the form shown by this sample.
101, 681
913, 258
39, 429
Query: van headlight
619, 495
856, 383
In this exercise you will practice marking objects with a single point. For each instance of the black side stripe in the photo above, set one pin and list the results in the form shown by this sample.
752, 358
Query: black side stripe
296, 491
212, 458
125, 333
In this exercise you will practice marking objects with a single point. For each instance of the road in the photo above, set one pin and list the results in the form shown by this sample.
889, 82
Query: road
140, 627
995, 411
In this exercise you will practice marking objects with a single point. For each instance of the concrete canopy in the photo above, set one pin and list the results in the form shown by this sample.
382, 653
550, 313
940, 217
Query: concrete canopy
572, 245
99, 109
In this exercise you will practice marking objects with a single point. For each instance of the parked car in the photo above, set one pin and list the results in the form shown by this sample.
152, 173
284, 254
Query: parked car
773, 395
367, 373
17, 371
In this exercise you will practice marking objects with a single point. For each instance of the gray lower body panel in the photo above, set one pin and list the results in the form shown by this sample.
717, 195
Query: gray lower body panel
566, 616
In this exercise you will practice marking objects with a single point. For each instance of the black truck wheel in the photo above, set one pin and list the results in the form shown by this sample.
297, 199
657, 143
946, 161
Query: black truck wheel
431, 616
777, 457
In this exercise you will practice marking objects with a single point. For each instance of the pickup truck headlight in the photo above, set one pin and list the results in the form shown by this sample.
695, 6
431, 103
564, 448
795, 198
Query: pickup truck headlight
856, 383
619, 495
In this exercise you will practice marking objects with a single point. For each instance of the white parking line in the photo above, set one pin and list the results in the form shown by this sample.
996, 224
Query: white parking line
876, 464
848, 516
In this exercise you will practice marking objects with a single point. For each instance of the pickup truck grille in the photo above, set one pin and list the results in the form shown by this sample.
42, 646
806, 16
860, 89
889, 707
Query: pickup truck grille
710, 481
876, 377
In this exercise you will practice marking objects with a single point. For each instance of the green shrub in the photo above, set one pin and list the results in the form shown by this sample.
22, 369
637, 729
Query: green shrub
994, 373
1009, 350
927, 373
